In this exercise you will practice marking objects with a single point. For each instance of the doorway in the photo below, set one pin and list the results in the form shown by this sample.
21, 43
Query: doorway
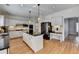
46, 28
70, 28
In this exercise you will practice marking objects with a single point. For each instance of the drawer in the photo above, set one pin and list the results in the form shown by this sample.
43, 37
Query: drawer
3, 51
56, 37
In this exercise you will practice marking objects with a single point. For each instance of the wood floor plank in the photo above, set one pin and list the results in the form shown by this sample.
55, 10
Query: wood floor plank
17, 46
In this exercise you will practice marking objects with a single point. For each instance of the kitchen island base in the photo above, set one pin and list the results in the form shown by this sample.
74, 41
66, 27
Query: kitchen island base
34, 42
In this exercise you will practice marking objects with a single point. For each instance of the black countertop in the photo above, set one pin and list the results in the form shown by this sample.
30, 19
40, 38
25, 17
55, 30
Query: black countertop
37, 34
56, 32
42, 34
4, 34
34, 34
5, 48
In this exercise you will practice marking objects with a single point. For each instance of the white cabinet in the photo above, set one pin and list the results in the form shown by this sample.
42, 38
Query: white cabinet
53, 21
1, 42
2, 20
51, 35
77, 39
34, 42
3, 51
14, 34
57, 21
37, 43
55, 36
26, 38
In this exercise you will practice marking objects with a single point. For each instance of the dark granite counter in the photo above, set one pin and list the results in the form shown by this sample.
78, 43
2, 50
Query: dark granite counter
34, 34
56, 32
4, 34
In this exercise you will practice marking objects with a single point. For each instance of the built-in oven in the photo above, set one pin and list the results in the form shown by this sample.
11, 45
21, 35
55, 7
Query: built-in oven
30, 29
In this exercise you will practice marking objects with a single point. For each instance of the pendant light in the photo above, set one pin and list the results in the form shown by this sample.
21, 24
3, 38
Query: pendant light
38, 12
29, 17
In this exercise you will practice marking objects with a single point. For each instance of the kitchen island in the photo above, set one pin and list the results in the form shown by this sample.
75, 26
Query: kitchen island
35, 41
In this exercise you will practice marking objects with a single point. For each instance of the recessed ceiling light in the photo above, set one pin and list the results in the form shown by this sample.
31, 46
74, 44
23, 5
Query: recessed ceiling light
21, 5
29, 9
54, 6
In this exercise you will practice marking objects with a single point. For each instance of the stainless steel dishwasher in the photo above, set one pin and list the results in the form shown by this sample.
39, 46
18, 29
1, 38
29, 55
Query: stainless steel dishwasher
1, 43
4, 41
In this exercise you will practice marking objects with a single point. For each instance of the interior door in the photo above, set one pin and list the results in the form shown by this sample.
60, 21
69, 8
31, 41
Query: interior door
72, 25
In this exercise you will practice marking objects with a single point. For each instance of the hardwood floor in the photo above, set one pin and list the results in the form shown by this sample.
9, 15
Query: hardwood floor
17, 46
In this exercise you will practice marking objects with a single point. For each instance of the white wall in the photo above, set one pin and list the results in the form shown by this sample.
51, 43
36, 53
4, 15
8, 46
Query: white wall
72, 12
66, 28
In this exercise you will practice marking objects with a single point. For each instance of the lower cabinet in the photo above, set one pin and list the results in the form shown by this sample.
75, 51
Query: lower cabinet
51, 35
14, 34
3, 51
37, 43
1, 42
34, 42
55, 36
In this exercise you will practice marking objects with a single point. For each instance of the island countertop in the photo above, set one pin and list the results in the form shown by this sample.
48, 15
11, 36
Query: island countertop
34, 34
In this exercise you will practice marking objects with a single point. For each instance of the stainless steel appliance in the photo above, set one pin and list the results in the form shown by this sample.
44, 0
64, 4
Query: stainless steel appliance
30, 29
4, 37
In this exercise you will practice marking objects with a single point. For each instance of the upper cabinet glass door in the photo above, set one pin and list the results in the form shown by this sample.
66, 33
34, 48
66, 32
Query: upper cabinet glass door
2, 20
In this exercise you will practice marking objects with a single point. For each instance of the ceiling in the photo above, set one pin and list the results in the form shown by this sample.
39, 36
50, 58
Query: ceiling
23, 9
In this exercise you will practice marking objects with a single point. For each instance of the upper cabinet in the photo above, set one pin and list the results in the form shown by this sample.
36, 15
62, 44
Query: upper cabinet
2, 20
57, 20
